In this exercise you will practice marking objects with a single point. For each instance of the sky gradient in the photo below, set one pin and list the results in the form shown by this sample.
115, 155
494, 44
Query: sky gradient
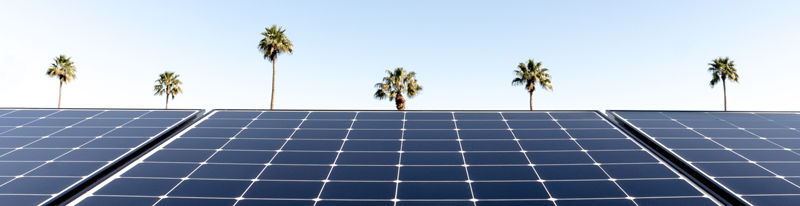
602, 55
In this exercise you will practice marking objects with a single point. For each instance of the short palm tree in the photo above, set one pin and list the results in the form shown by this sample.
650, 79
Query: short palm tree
723, 69
64, 69
531, 73
169, 84
274, 43
398, 82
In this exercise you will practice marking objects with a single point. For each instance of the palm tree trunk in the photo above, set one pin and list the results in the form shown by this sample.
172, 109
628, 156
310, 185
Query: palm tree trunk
60, 85
166, 106
725, 93
400, 101
272, 99
531, 100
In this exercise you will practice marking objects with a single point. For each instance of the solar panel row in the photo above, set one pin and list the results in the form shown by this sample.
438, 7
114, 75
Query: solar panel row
398, 158
46, 153
753, 155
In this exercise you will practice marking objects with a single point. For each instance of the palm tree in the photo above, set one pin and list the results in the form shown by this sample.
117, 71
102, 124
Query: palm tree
169, 84
529, 74
396, 84
722, 69
64, 70
273, 44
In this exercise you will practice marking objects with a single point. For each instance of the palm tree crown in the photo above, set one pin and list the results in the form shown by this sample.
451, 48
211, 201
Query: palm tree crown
723, 69
274, 43
398, 82
64, 69
531, 73
169, 84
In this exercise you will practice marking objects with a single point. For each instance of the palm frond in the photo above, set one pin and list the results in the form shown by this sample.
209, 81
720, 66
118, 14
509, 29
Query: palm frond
63, 68
169, 84
722, 69
274, 43
398, 81
380, 94
531, 73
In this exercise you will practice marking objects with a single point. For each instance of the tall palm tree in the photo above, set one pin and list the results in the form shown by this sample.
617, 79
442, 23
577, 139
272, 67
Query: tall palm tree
398, 82
273, 44
64, 69
723, 69
168, 83
531, 73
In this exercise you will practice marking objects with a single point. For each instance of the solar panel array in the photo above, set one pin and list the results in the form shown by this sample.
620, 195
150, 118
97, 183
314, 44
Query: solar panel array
326, 158
44, 153
754, 155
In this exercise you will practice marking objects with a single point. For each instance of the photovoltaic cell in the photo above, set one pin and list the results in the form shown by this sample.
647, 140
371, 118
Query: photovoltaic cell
46, 153
752, 155
319, 158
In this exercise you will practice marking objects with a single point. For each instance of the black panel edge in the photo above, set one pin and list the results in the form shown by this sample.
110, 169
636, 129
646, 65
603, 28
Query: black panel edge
87, 184
134, 109
367, 110
711, 187
710, 111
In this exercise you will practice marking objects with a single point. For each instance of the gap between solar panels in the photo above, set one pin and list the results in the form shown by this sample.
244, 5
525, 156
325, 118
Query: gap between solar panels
748, 158
48, 156
399, 158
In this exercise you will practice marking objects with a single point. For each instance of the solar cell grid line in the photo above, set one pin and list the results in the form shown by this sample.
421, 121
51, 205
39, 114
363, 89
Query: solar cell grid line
430, 174
533, 166
638, 199
182, 180
388, 158
241, 197
72, 159
144, 181
211, 179
461, 147
752, 167
339, 152
399, 161
751, 131
595, 162
165, 123
705, 138
252, 181
752, 161
22, 147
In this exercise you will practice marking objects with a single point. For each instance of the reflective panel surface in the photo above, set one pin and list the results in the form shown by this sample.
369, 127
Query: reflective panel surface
399, 158
45, 153
753, 155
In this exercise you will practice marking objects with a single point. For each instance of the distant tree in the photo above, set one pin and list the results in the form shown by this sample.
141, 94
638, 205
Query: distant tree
169, 84
274, 43
64, 69
529, 74
723, 69
398, 82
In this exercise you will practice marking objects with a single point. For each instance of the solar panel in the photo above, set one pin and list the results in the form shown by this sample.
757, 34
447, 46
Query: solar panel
752, 155
414, 158
46, 153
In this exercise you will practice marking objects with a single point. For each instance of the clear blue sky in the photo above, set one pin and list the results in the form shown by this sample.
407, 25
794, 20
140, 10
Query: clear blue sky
601, 54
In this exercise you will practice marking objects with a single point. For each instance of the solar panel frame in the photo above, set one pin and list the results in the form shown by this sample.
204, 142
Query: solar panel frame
78, 187
566, 116
692, 170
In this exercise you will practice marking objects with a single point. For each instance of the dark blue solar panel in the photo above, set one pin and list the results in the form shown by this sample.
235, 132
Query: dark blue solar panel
384, 173
750, 154
381, 116
331, 158
46, 153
